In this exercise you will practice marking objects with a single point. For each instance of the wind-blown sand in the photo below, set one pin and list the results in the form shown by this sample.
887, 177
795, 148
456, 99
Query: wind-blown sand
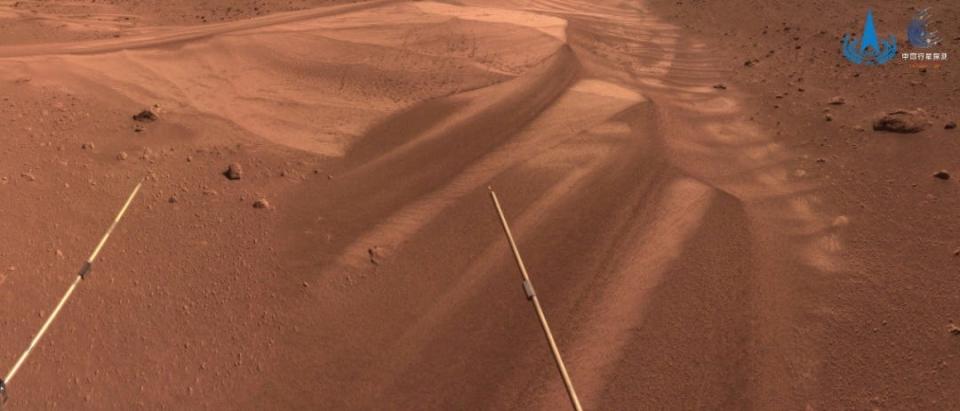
678, 252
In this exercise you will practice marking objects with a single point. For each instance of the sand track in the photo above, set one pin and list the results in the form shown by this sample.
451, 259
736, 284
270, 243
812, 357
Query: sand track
641, 199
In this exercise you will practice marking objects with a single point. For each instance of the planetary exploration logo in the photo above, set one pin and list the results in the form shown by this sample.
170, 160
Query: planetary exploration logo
919, 33
869, 50
921, 37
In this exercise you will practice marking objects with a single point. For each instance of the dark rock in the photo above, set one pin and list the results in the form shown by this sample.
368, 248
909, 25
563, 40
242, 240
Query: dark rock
146, 116
942, 174
950, 125
234, 172
902, 121
828, 117
720, 86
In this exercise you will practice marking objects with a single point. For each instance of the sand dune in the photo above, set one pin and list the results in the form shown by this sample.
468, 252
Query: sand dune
650, 212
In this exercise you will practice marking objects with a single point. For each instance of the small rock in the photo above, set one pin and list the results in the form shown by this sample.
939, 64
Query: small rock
942, 174
234, 171
902, 121
828, 117
146, 116
376, 254
261, 204
305, 285
821, 160
841, 221
172, 199
122, 155
956, 253
59, 254
954, 330
950, 125
837, 101
720, 86
87, 146
859, 128
138, 128
29, 176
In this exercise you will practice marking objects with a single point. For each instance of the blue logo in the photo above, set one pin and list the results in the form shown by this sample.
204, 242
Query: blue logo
918, 33
869, 50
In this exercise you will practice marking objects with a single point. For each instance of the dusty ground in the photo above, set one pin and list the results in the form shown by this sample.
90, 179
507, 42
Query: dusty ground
694, 246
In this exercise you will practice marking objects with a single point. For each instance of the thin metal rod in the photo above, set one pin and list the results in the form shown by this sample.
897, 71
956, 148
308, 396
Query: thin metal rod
532, 296
56, 311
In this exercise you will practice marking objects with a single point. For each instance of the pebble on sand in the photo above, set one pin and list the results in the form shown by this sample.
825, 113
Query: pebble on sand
146, 116
942, 174
836, 101
87, 146
261, 203
122, 155
950, 125
234, 171
720, 86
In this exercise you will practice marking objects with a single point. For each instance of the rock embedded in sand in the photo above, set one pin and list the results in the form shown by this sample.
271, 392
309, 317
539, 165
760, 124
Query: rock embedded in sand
841, 221
234, 171
720, 86
28, 176
376, 254
87, 146
837, 101
146, 116
902, 121
942, 174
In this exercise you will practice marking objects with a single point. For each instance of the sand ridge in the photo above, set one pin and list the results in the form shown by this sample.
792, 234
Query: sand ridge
357, 262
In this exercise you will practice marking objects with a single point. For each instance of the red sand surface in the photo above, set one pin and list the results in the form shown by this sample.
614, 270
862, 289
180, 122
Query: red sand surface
699, 235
